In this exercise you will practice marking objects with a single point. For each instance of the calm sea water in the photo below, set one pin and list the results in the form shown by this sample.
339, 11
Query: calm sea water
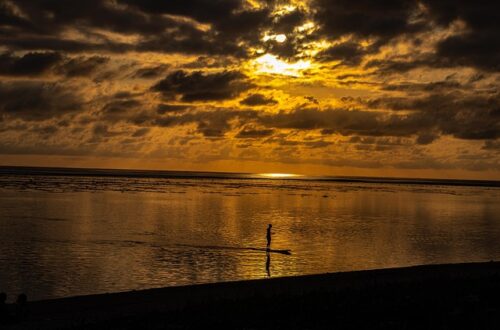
74, 235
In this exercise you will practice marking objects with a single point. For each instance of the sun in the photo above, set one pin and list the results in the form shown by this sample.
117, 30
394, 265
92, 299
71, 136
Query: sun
269, 63
279, 175
277, 37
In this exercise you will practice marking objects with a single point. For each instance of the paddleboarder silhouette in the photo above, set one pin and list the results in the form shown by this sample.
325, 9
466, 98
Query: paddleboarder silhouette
269, 236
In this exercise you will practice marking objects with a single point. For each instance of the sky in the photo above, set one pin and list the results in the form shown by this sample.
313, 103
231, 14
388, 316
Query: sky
401, 88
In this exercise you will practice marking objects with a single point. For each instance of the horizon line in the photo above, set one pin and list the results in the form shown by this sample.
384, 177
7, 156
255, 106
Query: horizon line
127, 172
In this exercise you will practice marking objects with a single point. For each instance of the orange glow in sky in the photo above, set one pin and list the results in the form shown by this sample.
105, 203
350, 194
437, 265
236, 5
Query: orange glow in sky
311, 87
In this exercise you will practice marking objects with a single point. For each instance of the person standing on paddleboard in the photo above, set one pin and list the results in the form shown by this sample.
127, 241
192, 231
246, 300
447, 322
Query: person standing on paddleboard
269, 236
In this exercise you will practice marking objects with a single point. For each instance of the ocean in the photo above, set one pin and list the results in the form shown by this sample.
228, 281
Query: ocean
66, 232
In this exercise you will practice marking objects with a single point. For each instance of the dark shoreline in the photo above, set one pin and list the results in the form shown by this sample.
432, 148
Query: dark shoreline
164, 174
421, 297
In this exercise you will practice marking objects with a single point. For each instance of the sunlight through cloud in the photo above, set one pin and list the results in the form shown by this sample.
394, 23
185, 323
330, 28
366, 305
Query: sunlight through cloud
272, 64
276, 37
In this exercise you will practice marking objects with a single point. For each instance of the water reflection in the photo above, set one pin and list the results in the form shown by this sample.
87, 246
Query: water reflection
190, 231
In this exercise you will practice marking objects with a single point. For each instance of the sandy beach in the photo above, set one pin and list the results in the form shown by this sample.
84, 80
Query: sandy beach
433, 296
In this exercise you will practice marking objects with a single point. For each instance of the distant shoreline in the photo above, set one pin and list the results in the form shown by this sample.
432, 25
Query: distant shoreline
163, 174
431, 296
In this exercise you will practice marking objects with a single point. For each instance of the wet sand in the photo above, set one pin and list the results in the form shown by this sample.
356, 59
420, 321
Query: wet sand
423, 297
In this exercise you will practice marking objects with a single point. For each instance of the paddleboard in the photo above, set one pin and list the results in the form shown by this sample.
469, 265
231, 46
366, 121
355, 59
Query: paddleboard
287, 252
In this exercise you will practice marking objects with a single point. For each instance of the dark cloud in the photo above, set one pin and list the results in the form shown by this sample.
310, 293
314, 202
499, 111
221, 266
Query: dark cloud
345, 122
205, 11
37, 100
53, 43
429, 118
348, 23
102, 131
82, 66
479, 45
473, 49
231, 23
381, 19
30, 64
402, 64
317, 144
46, 19
140, 132
249, 133
121, 109
285, 141
258, 99
385, 141
461, 115
150, 72
206, 62
230, 33
214, 128
349, 53
168, 108
189, 41
437, 86
199, 86
138, 118
47, 16
289, 49
39, 63
426, 138
124, 95
120, 106
244, 24
339, 121
286, 24
228, 17
466, 118
214, 123
10, 19
390, 66
329, 121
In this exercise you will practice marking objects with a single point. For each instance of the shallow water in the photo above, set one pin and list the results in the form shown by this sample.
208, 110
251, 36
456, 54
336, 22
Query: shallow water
73, 235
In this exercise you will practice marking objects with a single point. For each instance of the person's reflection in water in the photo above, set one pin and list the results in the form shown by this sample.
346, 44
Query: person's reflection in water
268, 264
268, 236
